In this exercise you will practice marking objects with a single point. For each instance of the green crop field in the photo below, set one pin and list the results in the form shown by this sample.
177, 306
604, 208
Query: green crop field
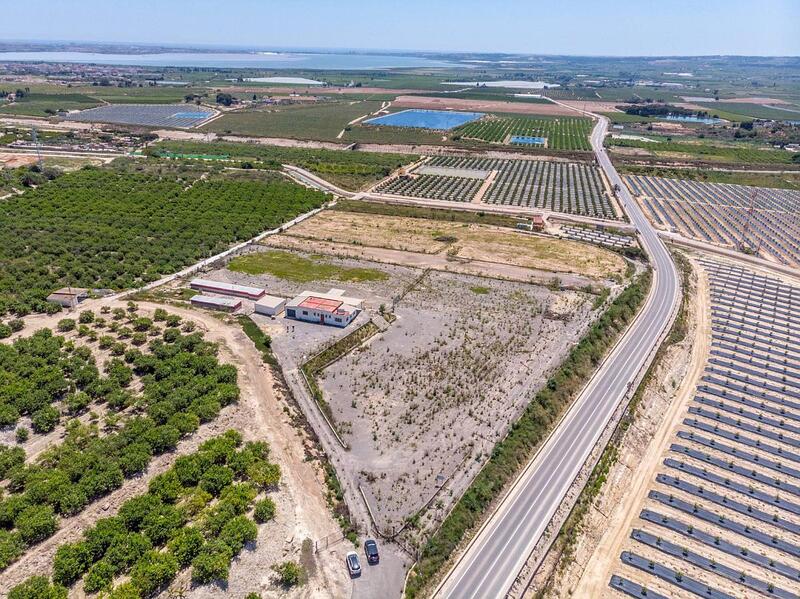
753, 110
347, 169
563, 133
314, 121
98, 228
709, 152
293, 267
42, 104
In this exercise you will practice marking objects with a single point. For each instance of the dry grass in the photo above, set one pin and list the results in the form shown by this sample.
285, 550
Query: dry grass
467, 241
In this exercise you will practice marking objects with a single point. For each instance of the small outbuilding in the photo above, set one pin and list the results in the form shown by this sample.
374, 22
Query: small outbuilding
68, 297
226, 304
270, 305
244, 291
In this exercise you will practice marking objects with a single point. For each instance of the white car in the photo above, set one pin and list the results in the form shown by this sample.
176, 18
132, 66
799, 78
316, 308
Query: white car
353, 565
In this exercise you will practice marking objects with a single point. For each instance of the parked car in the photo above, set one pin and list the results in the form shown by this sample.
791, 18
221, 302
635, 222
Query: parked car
371, 551
353, 565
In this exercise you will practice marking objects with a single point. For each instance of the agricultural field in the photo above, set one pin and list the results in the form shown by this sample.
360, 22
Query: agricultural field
720, 518
756, 111
719, 213
706, 152
570, 187
119, 473
561, 133
315, 121
41, 104
98, 228
347, 169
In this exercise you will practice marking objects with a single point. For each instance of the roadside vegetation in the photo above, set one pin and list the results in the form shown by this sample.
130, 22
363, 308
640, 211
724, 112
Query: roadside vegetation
96, 228
514, 451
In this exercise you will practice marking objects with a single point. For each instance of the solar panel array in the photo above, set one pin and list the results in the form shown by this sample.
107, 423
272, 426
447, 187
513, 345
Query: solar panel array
146, 115
720, 213
722, 518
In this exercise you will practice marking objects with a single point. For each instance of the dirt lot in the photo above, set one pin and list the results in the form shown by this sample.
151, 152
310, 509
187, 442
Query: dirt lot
468, 241
262, 413
427, 399
429, 103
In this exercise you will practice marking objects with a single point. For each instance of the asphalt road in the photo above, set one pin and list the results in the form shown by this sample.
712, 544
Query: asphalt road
498, 552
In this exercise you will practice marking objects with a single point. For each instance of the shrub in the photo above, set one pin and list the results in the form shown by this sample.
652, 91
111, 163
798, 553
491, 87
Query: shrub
70, 562
45, 419
264, 474
238, 532
16, 324
264, 511
166, 487
37, 587
21, 434
65, 325
161, 522
35, 523
212, 563
215, 479
289, 573
134, 510
125, 550
186, 544
5, 331
99, 577
102, 534
10, 457
11, 547
153, 571
86, 317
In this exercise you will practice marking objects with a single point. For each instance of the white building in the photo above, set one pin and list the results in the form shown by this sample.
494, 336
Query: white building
269, 305
332, 308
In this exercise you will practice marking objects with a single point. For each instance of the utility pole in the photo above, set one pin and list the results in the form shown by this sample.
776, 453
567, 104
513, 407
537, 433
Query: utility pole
35, 139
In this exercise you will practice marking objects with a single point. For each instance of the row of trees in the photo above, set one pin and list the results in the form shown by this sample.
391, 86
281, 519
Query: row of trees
99, 229
183, 385
194, 515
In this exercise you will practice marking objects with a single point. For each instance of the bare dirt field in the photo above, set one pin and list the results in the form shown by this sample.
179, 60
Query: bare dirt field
429, 103
15, 160
262, 413
466, 241
427, 399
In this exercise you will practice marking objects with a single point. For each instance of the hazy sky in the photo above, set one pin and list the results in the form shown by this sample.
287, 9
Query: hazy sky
607, 27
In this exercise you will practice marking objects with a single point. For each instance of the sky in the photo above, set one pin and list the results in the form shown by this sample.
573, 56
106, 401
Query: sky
576, 27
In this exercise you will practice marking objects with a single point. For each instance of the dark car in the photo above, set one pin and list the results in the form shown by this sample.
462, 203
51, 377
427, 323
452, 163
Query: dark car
371, 550
353, 565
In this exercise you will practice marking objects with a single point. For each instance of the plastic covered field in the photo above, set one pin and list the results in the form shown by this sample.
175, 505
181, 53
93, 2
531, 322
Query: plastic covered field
527, 140
146, 115
426, 119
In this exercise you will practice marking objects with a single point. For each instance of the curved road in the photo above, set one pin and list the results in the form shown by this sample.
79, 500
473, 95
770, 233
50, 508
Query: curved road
494, 558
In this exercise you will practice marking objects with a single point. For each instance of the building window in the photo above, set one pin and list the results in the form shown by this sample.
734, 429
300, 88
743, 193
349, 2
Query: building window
290, 313
305, 313
338, 320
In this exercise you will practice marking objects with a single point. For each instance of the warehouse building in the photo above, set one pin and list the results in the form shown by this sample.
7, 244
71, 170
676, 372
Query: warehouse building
244, 291
269, 305
68, 297
226, 304
331, 308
